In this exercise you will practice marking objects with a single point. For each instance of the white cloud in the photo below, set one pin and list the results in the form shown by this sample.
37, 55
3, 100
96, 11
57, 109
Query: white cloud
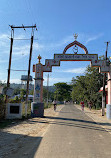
80, 70
12, 81
15, 80
55, 80
19, 50
39, 47
76, 70
82, 38
24, 48
4, 36
95, 37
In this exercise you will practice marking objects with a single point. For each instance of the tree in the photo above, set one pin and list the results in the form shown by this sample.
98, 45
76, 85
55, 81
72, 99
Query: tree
17, 91
79, 89
22, 93
31, 92
50, 94
62, 91
86, 87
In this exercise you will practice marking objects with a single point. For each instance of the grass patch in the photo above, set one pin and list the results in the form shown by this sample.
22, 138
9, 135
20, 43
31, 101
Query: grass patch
5, 123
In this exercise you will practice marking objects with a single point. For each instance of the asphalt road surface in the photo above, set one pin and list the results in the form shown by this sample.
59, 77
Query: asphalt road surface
72, 134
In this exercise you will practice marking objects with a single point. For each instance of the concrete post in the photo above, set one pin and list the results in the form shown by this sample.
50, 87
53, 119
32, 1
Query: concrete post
109, 86
38, 85
37, 106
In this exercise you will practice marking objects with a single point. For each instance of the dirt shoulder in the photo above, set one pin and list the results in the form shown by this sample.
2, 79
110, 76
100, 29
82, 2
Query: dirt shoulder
96, 115
21, 137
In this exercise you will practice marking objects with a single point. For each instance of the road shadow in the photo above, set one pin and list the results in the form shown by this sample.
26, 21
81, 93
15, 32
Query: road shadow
73, 123
63, 112
18, 145
78, 120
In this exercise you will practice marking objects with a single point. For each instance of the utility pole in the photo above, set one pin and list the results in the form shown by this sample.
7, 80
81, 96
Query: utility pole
12, 38
9, 67
47, 89
10, 57
104, 82
30, 56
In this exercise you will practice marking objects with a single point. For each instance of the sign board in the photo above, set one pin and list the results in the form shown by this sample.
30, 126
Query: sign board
76, 57
37, 109
25, 78
14, 111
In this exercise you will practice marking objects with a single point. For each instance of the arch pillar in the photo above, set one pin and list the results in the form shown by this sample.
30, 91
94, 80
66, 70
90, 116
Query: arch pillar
37, 106
109, 85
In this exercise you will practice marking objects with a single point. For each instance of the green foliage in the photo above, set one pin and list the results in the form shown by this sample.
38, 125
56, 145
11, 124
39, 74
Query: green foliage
15, 100
1, 99
50, 94
62, 91
31, 92
16, 91
22, 93
86, 87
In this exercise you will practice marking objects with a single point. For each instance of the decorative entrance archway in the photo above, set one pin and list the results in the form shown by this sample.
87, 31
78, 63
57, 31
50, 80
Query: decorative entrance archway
104, 67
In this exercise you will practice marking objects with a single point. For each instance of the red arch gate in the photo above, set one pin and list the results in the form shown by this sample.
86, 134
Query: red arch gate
37, 106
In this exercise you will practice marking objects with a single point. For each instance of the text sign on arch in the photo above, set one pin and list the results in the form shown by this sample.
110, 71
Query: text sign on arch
76, 57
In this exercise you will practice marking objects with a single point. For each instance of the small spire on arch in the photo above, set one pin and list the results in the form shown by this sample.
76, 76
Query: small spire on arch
39, 57
75, 43
75, 36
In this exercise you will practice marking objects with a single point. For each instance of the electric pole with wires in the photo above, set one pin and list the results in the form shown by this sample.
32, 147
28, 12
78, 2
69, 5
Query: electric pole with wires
9, 67
10, 57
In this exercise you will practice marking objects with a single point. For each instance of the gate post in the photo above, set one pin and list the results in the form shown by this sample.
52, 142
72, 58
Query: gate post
37, 106
109, 85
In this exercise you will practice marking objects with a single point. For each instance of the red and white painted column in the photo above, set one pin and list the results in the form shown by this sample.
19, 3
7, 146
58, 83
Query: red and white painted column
38, 85
37, 106
109, 86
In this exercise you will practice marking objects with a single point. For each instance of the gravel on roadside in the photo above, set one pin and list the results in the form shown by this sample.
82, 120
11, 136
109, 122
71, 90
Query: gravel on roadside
15, 137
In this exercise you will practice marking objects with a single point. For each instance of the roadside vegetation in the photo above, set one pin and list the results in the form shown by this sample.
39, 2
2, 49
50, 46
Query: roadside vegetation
87, 88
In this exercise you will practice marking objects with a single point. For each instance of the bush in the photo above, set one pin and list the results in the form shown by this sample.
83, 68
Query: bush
15, 100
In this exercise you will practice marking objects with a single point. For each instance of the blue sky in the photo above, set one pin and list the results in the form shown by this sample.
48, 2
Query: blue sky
57, 21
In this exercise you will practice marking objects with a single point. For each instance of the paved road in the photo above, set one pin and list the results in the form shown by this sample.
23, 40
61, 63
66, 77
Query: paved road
72, 134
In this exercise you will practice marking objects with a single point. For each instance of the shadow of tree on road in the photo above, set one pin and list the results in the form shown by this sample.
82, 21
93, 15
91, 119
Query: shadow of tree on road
73, 122
18, 145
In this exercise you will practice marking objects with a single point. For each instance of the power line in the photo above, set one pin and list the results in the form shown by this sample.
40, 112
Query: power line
23, 39
13, 27
17, 70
